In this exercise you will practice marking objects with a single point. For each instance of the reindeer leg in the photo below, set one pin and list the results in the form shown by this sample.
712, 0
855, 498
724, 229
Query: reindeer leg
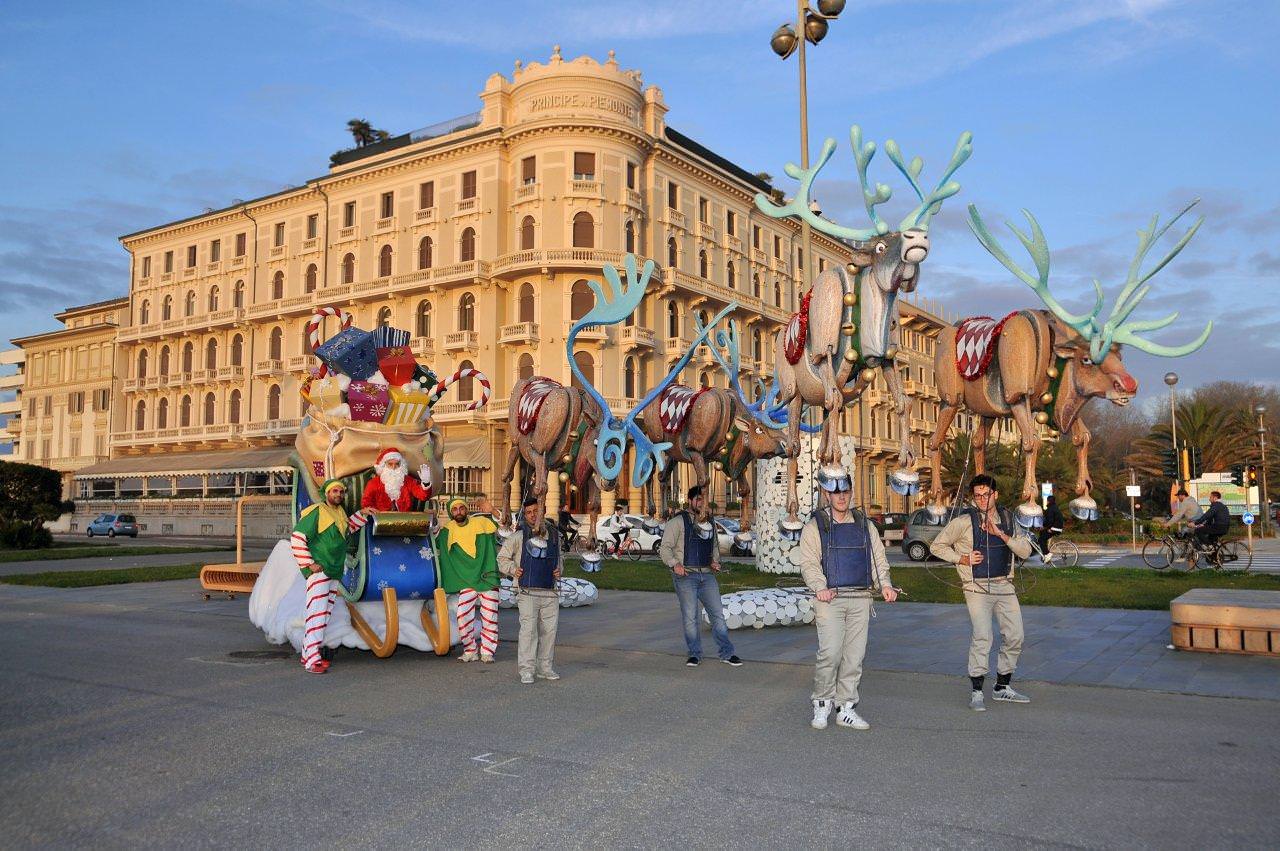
904, 480
979, 441
1083, 505
1031, 452
701, 479
946, 415
744, 494
793, 458
513, 458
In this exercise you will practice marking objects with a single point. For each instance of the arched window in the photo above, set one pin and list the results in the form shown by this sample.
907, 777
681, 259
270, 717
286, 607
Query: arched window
188, 357
525, 302
629, 378
384, 316
237, 350
702, 264
140, 416
273, 402
237, 299
673, 252
777, 294
164, 361
190, 306
277, 285
384, 262
467, 312
424, 318
629, 237
184, 412
526, 366
466, 387
276, 345
731, 276
703, 318
142, 364
584, 231
526, 233
312, 278
214, 294
144, 312
587, 366
704, 380
581, 300
233, 407
757, 347
210, 409
166, 308
673, 320
162, 414
755, 286
211, 355
348, 269
467, 246
426, 248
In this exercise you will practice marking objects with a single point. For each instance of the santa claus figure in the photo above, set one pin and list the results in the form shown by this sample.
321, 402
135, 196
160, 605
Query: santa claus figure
394, 488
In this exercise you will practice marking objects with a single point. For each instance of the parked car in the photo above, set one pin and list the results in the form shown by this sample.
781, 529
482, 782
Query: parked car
892, 526
650, 535
922, 527
114, 524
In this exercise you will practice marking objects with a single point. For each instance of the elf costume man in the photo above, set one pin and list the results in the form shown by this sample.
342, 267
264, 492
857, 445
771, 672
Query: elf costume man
319, 542
467, 550
394, 488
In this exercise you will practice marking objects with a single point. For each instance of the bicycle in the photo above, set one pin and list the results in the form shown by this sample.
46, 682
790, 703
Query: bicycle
629, 548
1062, 553
1161, 551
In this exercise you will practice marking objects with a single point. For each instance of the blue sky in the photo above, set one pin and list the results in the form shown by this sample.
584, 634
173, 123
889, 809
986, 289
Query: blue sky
1092, 113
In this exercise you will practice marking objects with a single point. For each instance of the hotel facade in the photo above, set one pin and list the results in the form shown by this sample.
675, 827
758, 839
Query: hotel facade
477, 236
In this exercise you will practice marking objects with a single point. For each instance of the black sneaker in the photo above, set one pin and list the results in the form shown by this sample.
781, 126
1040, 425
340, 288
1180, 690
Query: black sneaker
734, 661
691, 662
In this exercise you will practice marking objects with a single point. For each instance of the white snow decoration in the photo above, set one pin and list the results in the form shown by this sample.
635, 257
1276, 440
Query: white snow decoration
773, 553
377, 551
573, 592
404, 568
761, 607
424, 553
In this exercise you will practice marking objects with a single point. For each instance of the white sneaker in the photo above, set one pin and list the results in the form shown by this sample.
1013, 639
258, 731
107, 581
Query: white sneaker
526, 679
975, 701
486, 658
469, 656
1009, 695
821, 709
548, 675
848, 717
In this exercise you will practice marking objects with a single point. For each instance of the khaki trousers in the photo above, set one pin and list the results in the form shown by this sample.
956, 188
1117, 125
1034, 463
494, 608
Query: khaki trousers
842, 642
539, 616
1003, 604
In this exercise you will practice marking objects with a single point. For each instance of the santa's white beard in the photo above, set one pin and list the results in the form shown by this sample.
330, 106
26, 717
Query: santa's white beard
392, 481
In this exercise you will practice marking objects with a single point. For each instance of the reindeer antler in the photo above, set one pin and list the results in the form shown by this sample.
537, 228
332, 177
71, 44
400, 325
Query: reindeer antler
799, 205
930, 203
729, 341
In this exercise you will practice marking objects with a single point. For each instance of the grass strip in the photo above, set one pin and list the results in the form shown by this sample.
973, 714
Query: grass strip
86, 578
98, 551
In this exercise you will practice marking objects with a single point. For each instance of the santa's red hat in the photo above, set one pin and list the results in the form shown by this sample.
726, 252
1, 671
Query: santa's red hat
388, 453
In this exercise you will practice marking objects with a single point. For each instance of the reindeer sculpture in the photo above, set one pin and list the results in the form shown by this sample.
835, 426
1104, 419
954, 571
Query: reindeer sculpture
845, 329
1043, 366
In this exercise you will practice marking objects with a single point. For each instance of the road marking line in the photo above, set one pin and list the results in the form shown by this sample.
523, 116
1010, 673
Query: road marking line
343, 735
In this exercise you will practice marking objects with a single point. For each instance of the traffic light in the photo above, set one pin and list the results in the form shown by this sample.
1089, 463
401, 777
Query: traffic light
1253, 475
1184, 464
1237, 474
1170, 460
1197, 468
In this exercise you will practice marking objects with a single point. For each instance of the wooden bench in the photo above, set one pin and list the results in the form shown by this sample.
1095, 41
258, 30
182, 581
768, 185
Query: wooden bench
1227, 621
230, 578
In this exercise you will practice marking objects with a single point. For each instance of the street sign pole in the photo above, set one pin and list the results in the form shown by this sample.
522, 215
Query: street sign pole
1133, 490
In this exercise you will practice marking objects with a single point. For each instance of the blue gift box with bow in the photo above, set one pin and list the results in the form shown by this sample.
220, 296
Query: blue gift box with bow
351, 352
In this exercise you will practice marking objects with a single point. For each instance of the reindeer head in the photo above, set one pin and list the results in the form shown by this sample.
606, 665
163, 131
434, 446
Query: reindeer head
892, 258
1089, 346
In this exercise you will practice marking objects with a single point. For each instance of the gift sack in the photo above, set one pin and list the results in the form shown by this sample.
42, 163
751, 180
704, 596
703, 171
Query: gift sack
408, 406
384, 337
369, 402
396, 364
333, 447
350, 351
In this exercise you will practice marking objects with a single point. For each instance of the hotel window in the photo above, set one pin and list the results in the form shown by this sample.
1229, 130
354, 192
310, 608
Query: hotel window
162, 414
349, 214
237, 350
426, 194
525, 302
45, 450
424, 319
312, 278
731, 276
800, 258
468, 184
673, 195
278, 239
631, 175
425, 250
191, 256
702, 265
673, 252
584, 231
144, 312
101, 399
277, 285
388, 206
384, 317
313, 225
75, 405
581, 300
584, 165
215, 251
75, 447
168, 262
467, 246
777, 246
730, 223
525, 368
384, 262
467, 312
31, 407
48, 406
348, 269
529, 170
240, 242
702, 210
214, 294
146, 267
164, 361
755, 236
275, 346
238, 295
629, 234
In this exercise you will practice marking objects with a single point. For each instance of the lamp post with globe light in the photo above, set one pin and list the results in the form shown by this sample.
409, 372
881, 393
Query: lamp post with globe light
1263, 503
1171, 378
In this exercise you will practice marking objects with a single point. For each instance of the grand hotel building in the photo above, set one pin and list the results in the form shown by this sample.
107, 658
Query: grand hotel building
477, 235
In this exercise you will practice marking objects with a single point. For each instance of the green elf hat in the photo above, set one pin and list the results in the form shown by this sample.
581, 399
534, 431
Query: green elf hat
330, 484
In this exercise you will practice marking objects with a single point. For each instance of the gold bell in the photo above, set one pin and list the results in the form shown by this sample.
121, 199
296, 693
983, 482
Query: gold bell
573, 488
1042, 418
716, 464
1046, 399
1052, 372
850, 298
850, 355
564, 477
868, 375
890, 353
848, 329
567, 458
852, 267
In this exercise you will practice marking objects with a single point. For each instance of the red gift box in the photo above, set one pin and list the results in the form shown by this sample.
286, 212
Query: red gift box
369, 402
396, 364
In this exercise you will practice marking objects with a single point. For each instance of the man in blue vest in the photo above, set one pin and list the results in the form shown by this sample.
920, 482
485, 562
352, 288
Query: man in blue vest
531, 557
981, 544
692, 552
842, 561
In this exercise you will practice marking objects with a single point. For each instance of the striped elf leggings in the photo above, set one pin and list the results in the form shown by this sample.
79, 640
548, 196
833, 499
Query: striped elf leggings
321, 595
488, 620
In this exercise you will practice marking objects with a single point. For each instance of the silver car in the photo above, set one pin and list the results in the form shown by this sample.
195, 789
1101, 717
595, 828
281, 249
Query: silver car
922, 527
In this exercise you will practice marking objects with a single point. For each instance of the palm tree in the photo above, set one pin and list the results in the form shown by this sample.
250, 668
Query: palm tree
362, 131
1224, 436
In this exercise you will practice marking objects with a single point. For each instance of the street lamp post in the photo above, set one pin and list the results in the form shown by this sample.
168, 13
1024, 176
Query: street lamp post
1171, 378
1265, 504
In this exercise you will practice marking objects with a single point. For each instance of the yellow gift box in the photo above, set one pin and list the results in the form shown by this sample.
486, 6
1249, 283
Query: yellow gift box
408, 407
325, 394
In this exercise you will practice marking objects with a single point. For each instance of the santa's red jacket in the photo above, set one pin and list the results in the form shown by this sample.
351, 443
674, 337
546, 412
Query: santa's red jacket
375, 495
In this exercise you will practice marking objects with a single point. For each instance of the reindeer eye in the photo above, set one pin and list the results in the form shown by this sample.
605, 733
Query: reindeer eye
880, 247
1086, 360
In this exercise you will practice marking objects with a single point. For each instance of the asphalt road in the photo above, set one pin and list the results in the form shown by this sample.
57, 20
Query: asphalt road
127, 721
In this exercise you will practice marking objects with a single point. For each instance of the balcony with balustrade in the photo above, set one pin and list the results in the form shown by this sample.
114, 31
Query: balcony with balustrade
461, 341
527, 192
635, 337
675, 347
585, 189
423, 346
272, 428
426, 215
229, 373
270, 366
708, 232
519, 333
299, 363
465, 206
546, 260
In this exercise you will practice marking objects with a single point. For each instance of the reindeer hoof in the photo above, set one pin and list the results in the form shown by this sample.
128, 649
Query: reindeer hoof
790, 528
904, 482
1084, 508
1029, 515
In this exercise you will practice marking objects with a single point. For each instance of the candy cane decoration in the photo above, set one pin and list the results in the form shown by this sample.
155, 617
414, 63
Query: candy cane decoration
313, 329
485, 387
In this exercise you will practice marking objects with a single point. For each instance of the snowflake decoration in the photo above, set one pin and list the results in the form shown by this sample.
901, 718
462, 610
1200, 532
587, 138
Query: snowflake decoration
404, 568
424, 554
377, 551
406, 540
415, 595
383, 585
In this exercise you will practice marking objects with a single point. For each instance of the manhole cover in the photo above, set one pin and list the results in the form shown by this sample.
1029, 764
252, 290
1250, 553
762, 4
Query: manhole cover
258, 655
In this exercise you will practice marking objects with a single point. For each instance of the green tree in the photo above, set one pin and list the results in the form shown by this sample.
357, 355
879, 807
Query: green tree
29, 495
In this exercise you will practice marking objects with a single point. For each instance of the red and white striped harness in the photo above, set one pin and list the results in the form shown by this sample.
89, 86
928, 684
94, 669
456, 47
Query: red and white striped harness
530, 402
675, 404
793, 339
976, 339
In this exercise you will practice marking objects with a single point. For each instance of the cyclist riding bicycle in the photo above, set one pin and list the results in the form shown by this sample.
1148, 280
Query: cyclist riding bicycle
618, 526
568, 528
1215, 523
1185, 513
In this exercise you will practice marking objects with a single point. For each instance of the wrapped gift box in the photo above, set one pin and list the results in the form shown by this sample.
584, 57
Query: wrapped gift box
351, 352
368, 402
408, 407
425, 377
397, 364
384, 337
325, 394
